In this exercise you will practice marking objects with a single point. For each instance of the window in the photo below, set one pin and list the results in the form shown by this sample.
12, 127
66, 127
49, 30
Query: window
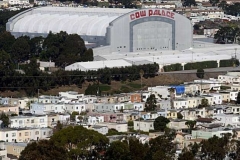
20, 134
41, 120
13, 134
26, 134
32, 121
37, 133
76, 107
44, 133
7, 135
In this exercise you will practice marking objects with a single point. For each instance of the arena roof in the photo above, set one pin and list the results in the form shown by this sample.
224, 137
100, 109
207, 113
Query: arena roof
82, 21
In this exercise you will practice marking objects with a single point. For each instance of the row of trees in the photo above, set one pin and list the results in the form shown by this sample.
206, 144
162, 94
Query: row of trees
61, 48
80, 143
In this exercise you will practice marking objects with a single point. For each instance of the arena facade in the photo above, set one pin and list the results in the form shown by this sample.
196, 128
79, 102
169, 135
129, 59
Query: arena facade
111, 30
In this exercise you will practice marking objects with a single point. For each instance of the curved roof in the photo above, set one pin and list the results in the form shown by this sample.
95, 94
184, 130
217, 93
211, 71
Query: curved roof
82, 21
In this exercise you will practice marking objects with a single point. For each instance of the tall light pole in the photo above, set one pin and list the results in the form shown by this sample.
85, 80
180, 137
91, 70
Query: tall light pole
192, 56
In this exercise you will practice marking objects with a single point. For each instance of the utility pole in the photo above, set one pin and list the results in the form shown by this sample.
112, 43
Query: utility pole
38, 95
235, 54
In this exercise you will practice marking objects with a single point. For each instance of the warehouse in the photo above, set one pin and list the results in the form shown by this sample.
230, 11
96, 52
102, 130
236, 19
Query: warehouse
95, 65
109, 29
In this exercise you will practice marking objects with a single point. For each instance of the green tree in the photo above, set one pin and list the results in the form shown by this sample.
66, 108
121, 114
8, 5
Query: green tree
73, 115
186, 156
138, 151
81, 142
204, 102
179, 115
214, 148
238, 98
223, 5
5, 62
6, 41
189, 3
118, 150
112, 132
87, 56
5, 120
43, 149
59, 126
163, 147
130, 123
20, 50
36, 46
160, 123
191, 124
200, 73
150, 104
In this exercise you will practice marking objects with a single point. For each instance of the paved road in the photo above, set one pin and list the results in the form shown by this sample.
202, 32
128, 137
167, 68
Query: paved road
209, 70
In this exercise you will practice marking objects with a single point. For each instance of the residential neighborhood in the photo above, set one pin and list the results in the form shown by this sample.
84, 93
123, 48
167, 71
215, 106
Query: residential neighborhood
213, 109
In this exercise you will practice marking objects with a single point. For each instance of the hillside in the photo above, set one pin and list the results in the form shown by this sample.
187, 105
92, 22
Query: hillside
121, 87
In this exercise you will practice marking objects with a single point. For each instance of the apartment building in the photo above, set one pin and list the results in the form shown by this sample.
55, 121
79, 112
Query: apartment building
29, 121
109, 107
75, 107
72, 95
145, 125
15, 149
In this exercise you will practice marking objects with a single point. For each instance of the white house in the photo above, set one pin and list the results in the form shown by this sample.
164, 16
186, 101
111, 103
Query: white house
230, 78
160, 90
89, 99
120, 127
163, 113
217, 98
23, 103
8, 135
40, 108
75, 107
180, 103
145, 96
100, 129
93, 120
206, 134
28, 121
228, 119
48, 99
71, 95
164, 104
149, 116
233, 95
138, 106
108, 107
143, 125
